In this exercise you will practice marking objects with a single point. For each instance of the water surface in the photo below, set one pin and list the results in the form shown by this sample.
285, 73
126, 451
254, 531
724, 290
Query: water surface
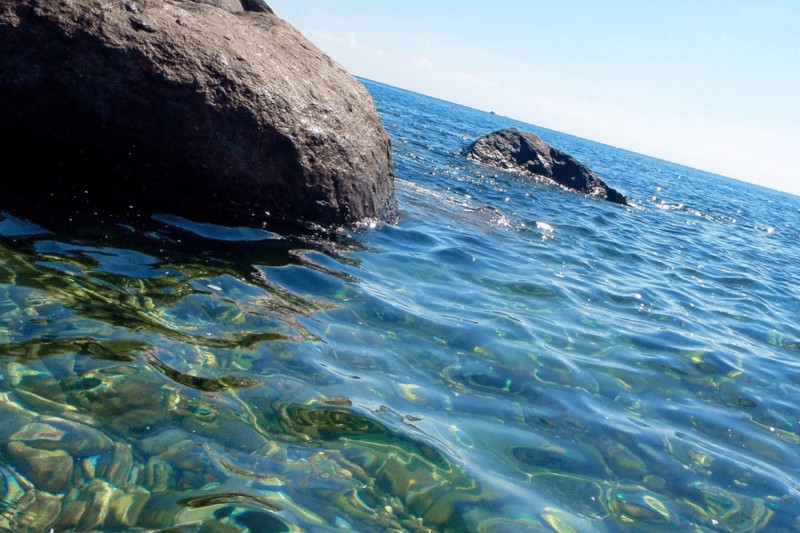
509, 357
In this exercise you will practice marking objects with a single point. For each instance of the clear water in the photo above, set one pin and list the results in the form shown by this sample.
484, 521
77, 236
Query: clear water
509, 357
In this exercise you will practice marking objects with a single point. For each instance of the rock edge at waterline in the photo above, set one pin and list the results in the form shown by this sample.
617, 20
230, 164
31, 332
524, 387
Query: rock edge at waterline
215, 109
523, 152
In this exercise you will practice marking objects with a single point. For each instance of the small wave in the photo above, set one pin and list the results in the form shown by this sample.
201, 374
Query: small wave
215, 231
11, 226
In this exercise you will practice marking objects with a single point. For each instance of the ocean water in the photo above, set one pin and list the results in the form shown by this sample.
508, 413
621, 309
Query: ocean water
509, 357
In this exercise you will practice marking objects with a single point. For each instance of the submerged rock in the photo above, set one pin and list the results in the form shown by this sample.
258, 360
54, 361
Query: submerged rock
35, 510
47, 470
51, 433
524, 152
216, 109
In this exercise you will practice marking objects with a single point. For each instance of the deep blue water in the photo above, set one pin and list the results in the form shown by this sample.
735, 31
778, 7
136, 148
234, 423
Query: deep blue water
508, 357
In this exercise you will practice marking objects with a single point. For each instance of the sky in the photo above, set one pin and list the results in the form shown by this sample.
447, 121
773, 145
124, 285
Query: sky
711, 84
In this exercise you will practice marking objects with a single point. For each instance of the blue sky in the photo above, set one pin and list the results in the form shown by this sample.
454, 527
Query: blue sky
710, 84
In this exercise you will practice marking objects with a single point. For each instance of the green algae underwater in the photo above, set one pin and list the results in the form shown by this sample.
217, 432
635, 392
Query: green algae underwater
508, 357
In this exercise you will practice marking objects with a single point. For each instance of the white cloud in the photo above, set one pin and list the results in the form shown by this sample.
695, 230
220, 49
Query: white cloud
422, 63
325, 40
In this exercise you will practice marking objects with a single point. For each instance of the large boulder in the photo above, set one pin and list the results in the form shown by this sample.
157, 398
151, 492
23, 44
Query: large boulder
216, 109
525, 153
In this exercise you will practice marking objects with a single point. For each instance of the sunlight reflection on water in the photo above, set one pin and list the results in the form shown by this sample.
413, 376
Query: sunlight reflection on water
509, 357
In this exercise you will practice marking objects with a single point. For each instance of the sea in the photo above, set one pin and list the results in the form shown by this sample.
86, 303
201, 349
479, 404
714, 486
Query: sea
509, 356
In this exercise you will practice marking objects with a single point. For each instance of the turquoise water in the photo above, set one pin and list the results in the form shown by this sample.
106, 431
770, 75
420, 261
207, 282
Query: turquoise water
509, 357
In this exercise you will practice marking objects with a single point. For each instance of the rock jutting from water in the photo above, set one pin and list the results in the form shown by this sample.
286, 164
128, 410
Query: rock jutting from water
525, 153
216, 109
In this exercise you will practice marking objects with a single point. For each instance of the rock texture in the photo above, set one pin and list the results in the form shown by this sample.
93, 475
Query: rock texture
524, 152
215, 109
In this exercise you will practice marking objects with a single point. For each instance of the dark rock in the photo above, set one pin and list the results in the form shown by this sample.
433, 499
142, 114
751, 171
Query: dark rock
257, 5
525, 153
237, 6
185, 107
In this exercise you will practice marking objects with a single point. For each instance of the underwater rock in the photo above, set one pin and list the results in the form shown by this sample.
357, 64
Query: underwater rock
97, 495
50, 433
35, 510
49, 470
525, 153
99, 505
564, 461
621, 459
162, 441
216, 113
13, 416
158, 475
632, 504
127, 507
186, 465
116, 466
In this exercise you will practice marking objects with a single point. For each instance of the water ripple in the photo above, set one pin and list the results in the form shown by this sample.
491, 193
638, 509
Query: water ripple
509, 357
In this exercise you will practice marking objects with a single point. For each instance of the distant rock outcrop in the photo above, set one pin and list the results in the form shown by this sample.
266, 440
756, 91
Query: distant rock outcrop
216, 109
523, 152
